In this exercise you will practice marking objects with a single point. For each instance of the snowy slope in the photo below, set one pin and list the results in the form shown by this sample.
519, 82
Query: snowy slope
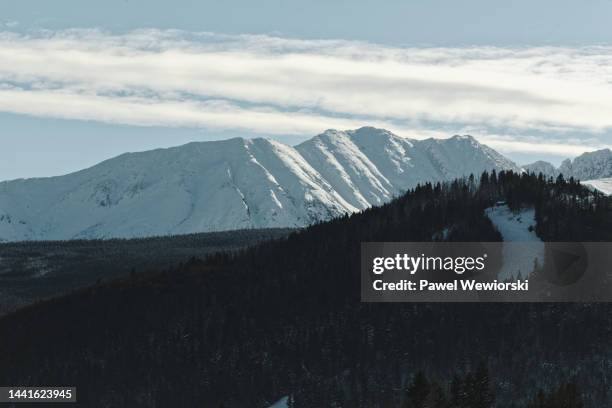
369, 166
231, 184
462, 155
197, 187
282, 403
604, 185
515, 227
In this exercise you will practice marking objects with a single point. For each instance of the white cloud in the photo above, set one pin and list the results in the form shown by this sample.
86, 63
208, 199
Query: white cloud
284, 86
162, 112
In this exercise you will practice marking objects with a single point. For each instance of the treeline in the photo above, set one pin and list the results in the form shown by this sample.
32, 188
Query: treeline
565, 210
472, 390
284, 318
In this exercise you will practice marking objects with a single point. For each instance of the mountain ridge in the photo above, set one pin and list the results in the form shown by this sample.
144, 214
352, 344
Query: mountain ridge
234, 184
587, 166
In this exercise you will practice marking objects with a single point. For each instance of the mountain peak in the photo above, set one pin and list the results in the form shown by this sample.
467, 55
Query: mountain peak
370, 131
464, 137
540, 163
365, 131
605, 152
455, 139
589, 166
545, 168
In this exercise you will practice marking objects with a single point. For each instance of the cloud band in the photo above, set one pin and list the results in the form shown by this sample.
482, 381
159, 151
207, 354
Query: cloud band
286, 86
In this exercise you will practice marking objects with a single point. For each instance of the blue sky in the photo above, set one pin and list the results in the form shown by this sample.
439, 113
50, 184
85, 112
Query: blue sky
397, 22
81, 82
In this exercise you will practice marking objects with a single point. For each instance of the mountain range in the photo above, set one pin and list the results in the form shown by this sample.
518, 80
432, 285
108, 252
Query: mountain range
234, 184
588, 166
250, 183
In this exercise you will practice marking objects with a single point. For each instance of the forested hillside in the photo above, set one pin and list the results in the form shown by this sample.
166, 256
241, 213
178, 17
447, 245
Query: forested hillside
34, 270
284, 318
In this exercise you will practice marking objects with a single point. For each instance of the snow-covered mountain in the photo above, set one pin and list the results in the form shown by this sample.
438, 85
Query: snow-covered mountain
232, 184
587, 166
546, 168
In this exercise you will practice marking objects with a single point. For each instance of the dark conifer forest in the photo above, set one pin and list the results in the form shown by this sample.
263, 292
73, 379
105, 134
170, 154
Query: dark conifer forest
34, 270
284, 318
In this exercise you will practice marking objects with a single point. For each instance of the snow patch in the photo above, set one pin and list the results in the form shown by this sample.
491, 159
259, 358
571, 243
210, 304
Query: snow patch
604, 185
282, 403
517, 227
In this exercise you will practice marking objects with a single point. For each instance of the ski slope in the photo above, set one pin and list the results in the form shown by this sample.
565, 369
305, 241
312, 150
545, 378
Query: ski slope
515, 227
282, 403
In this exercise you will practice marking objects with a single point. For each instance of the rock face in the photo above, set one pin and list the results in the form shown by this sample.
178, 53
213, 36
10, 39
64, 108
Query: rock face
233, 184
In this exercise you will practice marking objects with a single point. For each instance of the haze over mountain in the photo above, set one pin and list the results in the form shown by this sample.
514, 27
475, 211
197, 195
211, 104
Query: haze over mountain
234, 184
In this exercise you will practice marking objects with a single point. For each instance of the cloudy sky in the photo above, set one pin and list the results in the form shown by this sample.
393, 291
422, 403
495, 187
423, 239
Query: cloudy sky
81, 83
